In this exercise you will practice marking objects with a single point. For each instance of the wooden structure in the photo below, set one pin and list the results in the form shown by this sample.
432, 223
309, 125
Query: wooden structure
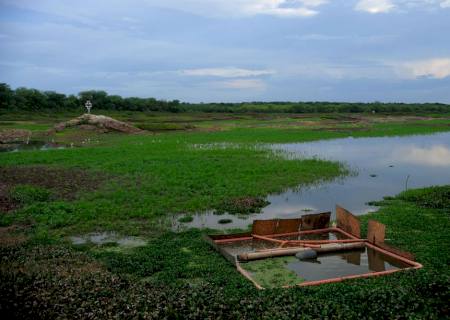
277, 233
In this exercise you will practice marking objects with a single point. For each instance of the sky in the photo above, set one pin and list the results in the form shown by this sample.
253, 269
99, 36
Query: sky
231, 50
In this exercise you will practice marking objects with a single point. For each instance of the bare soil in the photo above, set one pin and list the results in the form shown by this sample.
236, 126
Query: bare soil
14, 135
64, 183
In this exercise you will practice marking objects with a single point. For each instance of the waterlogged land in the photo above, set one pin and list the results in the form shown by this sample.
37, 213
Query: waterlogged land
123, 186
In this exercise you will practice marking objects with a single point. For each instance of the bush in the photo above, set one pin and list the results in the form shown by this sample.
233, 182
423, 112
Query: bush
434, 197
27, 194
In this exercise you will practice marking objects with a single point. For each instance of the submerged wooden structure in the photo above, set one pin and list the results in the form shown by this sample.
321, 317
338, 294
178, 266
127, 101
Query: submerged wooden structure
284, 237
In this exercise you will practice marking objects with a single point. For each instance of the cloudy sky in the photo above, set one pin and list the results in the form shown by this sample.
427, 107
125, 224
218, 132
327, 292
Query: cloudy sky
231, 50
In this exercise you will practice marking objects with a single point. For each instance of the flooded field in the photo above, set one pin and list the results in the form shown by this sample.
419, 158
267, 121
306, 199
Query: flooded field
382, 167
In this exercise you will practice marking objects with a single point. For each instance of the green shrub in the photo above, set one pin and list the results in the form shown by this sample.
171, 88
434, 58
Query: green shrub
186, 219
27, 194
434, 197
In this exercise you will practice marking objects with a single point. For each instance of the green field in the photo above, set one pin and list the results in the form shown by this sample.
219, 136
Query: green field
133, 184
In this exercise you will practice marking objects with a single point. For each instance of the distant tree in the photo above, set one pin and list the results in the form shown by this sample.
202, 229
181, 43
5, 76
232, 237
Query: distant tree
72, 102
55, 100
34, 100
98, 98
30, 99
115, 103
6, 97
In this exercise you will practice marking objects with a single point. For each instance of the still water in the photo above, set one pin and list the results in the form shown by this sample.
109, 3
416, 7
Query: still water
382, 167
341, 264
30, 146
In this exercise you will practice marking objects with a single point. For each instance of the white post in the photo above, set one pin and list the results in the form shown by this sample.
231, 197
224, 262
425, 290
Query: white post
88, 106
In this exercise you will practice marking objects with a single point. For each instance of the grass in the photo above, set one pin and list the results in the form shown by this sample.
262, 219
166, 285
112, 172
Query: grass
138, 181
155, 177
186, 219
272, 273
178, 275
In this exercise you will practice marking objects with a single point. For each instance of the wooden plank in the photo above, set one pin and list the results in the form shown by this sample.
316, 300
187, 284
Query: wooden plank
288, 225
264, 227
229, 236
376, 232
348, 222
315, 221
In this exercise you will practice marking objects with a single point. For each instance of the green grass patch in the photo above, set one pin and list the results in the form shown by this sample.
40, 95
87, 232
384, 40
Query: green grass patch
273, 273
28, 194
186, 219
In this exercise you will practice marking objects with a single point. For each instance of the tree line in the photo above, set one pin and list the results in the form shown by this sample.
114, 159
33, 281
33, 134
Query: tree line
26, 99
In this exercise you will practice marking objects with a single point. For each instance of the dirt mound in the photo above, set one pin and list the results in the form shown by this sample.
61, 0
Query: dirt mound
103, 123
14, 135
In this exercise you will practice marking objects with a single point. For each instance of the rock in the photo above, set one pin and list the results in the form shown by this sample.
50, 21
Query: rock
99, 122
306, 255
14, 135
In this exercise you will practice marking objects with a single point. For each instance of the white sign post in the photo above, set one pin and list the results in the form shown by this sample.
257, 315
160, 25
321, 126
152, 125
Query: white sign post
88, 106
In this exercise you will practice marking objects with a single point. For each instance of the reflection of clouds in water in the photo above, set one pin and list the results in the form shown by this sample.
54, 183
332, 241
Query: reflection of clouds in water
383, 165
438, 156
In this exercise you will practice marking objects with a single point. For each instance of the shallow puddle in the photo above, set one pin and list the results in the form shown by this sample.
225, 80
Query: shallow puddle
102, 238
384, 167
31, 146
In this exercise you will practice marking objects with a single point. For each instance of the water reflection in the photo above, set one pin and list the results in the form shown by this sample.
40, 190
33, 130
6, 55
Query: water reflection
438, 156
382, 165
345, 264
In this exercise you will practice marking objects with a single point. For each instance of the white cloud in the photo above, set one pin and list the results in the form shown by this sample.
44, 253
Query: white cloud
438, 68
253, 84
374, 6
322, 70
226, 72
384, 6
445, 4
87, 10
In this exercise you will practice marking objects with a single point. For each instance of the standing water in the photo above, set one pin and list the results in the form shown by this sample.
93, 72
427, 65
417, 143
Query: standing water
383, 166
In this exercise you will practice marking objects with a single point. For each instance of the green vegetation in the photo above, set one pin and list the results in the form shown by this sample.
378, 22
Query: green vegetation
131, 184
148, 179
177, 275
186, 219
418, 221
26, 194
433, 197
242, 205
35, 100
272, 273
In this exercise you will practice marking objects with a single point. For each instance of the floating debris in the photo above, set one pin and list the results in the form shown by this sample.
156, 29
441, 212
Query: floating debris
186, 219
225, 221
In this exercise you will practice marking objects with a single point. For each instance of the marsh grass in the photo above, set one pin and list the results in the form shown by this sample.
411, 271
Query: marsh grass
178, 275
